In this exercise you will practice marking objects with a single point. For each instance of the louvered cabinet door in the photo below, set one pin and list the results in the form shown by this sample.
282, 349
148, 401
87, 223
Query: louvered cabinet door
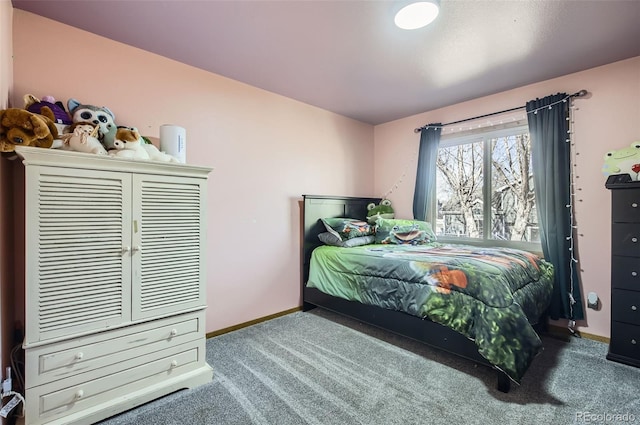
78, 271
168, 245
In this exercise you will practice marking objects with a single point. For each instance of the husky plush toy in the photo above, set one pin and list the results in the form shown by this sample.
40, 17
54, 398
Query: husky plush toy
100, 116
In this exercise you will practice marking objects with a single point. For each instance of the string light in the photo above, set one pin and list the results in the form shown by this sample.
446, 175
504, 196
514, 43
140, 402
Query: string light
410, 161
573, 154
570, 121
489, 123
449, 130
572, 198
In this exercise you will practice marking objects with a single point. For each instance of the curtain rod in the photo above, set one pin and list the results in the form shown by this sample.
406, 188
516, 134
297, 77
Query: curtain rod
581, 93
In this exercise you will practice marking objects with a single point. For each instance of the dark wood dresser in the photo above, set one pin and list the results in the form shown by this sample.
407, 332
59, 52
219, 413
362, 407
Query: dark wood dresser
625, 272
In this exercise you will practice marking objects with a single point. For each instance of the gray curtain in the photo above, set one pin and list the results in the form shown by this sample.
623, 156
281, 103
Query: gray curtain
551, 157
426, 175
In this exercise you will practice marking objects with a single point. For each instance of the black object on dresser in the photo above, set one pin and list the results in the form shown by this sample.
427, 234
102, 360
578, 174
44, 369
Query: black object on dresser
625, 272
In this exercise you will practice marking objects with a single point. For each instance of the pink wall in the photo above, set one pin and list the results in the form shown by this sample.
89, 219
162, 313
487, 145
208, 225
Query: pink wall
608, 119
267, 150
6, 48
6, 75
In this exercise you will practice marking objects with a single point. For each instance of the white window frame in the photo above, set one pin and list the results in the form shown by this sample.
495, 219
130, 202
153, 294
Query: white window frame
486, 135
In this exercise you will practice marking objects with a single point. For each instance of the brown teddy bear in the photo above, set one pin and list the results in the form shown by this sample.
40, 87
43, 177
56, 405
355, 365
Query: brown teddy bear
19, 127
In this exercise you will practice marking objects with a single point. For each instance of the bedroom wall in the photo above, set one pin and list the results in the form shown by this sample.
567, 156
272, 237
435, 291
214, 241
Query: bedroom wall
6, 68
267, 150
607, 119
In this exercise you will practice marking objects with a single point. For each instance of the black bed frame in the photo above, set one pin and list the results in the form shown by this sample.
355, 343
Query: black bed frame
423, 330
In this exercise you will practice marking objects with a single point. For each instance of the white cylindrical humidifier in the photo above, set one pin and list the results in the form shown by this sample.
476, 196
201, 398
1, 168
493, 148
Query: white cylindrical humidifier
173, 141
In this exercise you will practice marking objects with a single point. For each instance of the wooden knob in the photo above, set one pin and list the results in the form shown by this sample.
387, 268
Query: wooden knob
79, 394
79, 356
174, 332
174, 363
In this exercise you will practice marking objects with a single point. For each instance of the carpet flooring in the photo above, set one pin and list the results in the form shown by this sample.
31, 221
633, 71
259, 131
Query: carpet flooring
321, 368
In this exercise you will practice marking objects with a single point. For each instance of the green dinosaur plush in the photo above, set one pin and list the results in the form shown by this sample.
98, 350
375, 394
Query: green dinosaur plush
623, 161
383, 210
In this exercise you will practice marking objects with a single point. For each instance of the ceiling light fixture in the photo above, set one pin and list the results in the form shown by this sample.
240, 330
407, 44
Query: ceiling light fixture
417, 15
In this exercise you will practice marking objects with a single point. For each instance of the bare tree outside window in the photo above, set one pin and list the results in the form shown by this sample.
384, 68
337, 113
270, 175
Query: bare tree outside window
485, 187
459, 189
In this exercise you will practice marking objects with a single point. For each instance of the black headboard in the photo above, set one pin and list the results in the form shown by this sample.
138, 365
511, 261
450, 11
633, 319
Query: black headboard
316, 207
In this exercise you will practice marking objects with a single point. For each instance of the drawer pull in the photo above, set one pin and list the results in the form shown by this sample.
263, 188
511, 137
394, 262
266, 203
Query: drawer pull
633, 341
634, 274
174, 332
79, 394
634, 239
79, 356
634, 205
174, 364
634, 308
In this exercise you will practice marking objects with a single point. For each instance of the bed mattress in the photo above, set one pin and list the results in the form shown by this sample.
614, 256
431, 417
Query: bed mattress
492, 296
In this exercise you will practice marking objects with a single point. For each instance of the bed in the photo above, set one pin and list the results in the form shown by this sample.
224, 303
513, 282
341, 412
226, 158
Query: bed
477, 303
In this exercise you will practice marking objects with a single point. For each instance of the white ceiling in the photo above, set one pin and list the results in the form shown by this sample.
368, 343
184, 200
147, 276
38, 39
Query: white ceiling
348, 57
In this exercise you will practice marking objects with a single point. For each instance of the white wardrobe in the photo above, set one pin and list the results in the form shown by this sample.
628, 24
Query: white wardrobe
114, 282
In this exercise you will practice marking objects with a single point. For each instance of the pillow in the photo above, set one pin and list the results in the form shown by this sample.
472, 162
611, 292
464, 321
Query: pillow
333, 240
348, 228
400, 232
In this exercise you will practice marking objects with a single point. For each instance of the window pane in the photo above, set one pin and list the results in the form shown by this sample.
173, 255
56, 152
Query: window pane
513, 213
484, 188
459, 181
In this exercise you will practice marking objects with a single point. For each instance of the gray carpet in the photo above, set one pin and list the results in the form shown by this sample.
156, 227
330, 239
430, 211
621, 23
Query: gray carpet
320, 368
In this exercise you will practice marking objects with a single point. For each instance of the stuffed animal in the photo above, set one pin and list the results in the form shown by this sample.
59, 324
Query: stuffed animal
19, 127
157, 155
383, 210
623, 161
62, 119
154, 153
100, 116
128, 144
82, 139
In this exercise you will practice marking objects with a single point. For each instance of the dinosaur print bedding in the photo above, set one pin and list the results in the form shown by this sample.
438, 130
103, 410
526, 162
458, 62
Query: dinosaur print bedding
491, 295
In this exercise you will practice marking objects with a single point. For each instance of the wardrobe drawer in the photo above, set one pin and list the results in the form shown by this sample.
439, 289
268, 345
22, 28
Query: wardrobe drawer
625, 306
84, 391
625, 340
60, 360
625, 205
625, 272
625, 239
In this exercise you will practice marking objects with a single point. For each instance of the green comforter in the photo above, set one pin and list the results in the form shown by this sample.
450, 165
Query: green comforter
491, 295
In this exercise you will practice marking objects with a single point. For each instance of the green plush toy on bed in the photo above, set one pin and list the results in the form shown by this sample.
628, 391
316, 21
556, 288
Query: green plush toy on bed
383, 210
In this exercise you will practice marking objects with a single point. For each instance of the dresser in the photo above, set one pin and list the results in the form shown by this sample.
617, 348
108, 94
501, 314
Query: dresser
625, 273
111, 288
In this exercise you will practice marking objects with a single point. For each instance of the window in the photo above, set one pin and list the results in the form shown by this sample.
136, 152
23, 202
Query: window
484, 188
